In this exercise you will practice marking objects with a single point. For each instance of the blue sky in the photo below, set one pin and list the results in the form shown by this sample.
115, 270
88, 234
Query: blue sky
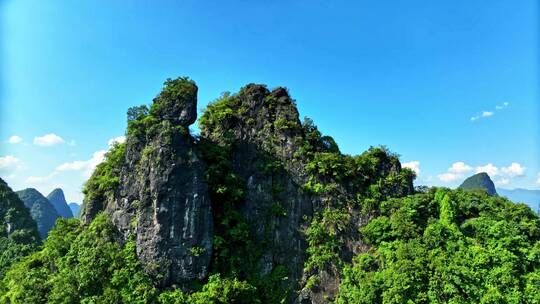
411, 75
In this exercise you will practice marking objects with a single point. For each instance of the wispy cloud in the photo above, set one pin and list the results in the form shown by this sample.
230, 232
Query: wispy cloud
485, 114
39, 180
502, 106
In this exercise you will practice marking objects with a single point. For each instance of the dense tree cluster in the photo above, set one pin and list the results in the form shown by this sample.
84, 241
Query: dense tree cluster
447, 246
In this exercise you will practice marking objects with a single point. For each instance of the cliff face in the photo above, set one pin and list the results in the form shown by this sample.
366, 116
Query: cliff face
259, 195
162, 198
58, 200
292, 187
41, 209
263, 131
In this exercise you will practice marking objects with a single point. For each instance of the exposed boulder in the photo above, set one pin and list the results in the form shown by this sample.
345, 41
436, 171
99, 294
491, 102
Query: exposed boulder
177, 102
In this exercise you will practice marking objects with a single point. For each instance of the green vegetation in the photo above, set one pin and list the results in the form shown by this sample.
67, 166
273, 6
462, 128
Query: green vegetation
447, 246
480, 181
86, 265
106, 176
235, 253
175, 94
18, 231
41, 210
79, 265
374, 176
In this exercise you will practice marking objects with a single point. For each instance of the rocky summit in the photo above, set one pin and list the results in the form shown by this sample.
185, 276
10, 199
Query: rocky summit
159, 194
479, 181
242, 197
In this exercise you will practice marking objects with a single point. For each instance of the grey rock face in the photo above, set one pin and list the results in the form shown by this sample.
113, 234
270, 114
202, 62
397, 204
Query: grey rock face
274, 205
162, 198
58, 200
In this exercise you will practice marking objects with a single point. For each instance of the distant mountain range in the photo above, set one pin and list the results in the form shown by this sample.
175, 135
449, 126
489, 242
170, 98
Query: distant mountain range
45, 210
41, 210
518, 195
58, 200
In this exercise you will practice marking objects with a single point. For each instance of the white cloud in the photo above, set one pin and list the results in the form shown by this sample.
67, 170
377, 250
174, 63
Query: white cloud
501, 176
9, 163
538, 178
15, 140
515, 169
413, 165
116, 140
48, 140
456, 172
459, 168
490, 169
86, 166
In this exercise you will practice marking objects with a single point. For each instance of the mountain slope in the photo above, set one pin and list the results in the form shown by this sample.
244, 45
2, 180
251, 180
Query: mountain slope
41, 209
518, 195
58, 200
18, 231
479, 181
